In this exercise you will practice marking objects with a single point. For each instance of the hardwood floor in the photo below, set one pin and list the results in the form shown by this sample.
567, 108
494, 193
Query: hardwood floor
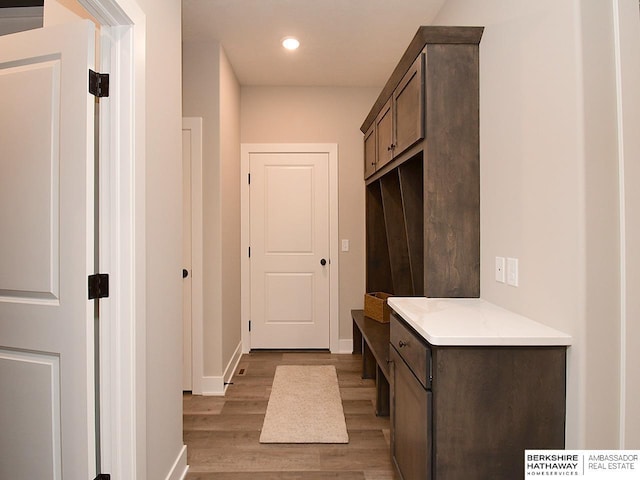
222, 433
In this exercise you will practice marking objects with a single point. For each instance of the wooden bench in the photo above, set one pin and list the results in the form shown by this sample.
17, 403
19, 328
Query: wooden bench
371, 339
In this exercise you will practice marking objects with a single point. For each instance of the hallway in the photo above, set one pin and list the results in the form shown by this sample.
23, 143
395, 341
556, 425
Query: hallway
222, 433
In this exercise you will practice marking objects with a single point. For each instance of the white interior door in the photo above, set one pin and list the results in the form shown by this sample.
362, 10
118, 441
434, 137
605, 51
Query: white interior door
289, 238
187, 364
192, 253
47, 413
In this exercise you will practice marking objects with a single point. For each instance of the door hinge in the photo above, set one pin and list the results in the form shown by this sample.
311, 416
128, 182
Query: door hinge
98, 286
103, 476
98, 84
249, 325
249, 252
249, 178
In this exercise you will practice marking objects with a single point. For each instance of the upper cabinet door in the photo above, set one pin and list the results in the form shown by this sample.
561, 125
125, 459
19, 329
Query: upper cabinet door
408, 108
384, 136
370, 151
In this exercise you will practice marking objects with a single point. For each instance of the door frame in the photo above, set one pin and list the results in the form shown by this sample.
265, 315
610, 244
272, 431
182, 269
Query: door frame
122, 238
245, 311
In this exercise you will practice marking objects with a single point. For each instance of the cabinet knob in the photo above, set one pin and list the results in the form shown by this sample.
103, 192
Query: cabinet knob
402, 344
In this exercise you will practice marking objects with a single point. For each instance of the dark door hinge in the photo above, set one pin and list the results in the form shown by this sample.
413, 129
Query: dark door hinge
98, 286
249, 325
103, 476
249, 252
249, 178
98, 84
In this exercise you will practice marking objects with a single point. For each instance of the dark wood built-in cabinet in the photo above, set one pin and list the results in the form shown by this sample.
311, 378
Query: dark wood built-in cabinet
421, 149
458, 412
463, 412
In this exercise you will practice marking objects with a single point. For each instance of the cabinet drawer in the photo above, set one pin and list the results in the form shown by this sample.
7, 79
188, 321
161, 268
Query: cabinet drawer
411, 348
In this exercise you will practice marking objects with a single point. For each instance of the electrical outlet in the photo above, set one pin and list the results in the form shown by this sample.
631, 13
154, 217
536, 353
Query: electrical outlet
500, 273
512, 272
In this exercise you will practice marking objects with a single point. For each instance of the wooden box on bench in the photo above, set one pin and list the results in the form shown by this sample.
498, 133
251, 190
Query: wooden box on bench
375, 306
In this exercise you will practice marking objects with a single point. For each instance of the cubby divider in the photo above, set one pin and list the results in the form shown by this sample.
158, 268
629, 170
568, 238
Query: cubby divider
396, 234
411, 190
378, 264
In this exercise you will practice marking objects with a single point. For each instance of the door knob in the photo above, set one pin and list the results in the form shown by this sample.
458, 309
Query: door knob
323, 262
185, 273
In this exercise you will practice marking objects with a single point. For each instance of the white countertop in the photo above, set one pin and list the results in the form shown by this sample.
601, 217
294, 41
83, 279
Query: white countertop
473, 321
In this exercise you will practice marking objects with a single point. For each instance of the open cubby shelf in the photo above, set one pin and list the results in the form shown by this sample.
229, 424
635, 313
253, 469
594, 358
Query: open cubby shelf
395, 231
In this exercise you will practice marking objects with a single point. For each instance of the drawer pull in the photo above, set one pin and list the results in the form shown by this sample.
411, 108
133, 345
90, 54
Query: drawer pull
402, 344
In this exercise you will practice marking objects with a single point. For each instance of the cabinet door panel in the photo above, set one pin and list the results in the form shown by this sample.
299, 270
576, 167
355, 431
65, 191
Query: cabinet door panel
411, 423
370, 152
408, 108
384, 136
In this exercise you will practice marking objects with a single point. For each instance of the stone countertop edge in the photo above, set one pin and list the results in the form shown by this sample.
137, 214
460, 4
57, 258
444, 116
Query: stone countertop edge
473, 322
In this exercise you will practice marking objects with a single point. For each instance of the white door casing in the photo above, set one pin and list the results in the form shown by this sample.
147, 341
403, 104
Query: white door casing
122, 238
290, 223
47, 252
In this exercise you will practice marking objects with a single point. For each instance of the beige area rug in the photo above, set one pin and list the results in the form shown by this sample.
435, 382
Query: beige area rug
304, 407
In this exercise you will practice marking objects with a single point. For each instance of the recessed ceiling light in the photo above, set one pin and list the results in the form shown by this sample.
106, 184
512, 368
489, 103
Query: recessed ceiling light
290, 43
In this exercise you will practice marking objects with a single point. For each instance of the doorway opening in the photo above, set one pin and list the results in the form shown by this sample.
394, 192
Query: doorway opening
284, 295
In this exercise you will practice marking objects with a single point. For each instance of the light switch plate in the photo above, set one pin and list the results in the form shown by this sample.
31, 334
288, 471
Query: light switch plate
345, 245
500, 273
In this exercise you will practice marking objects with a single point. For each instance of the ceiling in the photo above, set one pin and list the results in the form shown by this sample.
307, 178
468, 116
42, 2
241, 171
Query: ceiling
343, 42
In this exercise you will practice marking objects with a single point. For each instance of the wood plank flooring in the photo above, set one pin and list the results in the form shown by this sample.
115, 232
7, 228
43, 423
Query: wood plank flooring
222, 433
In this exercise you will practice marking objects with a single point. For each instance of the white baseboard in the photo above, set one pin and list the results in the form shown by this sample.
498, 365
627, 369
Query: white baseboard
180, 467
346, 345
217, 386
233, 363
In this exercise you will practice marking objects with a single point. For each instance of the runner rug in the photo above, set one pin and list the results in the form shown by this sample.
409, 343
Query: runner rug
304, 407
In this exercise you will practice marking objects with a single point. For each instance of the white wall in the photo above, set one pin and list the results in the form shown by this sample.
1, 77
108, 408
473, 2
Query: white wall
322, 115
163, 235
549, 185
211, 91
230, 214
